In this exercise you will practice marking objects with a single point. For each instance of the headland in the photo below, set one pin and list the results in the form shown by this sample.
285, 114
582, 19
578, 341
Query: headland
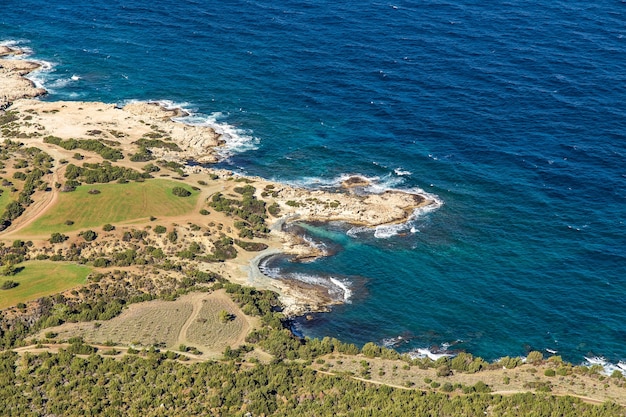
144, 138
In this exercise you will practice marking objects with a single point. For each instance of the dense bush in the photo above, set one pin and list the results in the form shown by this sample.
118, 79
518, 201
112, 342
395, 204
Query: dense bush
87, 144
88, 235
181, 192
58, 238
103, 173
7, 285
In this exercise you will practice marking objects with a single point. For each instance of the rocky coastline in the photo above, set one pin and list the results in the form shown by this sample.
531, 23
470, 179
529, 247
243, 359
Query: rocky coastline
127, 126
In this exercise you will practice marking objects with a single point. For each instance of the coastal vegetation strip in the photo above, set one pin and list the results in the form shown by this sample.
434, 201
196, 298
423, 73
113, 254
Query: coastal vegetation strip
114, 203
40, 278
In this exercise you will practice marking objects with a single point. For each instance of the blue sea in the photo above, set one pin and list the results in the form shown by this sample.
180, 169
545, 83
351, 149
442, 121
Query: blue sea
511, 114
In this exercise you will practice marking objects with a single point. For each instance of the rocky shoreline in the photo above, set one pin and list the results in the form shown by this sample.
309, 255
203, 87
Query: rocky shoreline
127, 126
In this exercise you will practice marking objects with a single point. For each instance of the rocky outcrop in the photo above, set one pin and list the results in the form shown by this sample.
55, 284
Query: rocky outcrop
368, 210
13, 85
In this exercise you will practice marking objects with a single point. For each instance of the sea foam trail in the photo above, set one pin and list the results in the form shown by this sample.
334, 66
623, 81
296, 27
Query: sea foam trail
237, 140
421, 353
338, 289
347, 293
607, 367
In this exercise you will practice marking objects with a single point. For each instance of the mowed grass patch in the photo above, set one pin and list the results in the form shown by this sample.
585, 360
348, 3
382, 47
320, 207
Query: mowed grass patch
41, 278
115, 203
208, 330
149, 323
5, 198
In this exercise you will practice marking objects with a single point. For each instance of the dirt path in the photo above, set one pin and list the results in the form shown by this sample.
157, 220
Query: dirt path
45, 200
196, 302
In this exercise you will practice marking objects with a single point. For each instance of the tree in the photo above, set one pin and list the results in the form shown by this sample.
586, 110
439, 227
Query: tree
534, 358
225, 316
9, 270
88, 235
181, 192
7, 285
58, 238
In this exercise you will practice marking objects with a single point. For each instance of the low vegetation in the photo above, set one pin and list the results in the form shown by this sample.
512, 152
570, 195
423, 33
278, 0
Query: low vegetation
116, 203
40, 278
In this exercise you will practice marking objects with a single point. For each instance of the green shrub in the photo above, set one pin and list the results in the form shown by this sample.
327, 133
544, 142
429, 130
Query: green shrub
88, 235
160, 229
549, 372
181, 192
7, 285
58, 238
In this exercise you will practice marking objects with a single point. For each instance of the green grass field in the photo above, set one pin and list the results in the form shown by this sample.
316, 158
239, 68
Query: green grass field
116, 203
40, 278
5, 198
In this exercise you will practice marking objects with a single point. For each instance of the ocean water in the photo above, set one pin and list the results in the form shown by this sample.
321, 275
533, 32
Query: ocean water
512, 114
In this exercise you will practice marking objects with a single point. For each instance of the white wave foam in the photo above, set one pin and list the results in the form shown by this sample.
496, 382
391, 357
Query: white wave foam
375, 185
18, 44
237, 140
347, 292
402, 172
607, 367
266, 270
59, 83
321, 246
41, 75
394, 342
431, 354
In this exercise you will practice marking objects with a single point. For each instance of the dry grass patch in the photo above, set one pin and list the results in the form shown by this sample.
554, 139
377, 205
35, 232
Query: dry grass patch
192, 320
154, 322
207, 329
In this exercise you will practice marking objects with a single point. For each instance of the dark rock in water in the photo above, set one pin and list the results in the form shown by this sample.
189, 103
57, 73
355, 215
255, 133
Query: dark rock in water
355, 181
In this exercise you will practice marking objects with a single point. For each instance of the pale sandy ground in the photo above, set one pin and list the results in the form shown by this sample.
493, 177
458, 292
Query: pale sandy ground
192, 320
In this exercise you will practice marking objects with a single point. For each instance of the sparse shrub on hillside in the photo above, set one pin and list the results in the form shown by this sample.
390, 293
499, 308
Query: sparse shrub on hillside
88, 235
58, 238
7, 285
151, 168
181, 192
534, 358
